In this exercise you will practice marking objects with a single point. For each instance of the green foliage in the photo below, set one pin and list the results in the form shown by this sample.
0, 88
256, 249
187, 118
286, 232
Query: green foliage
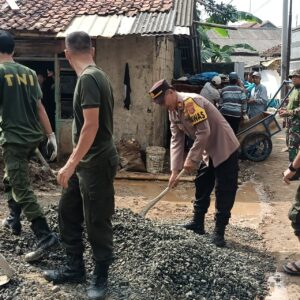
216, 53
221, 32
229, 12
222, 13
212, 51
244, 16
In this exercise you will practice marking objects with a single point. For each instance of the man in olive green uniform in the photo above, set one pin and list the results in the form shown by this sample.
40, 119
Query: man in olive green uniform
292, 112
88, 175
22, 119
293, 268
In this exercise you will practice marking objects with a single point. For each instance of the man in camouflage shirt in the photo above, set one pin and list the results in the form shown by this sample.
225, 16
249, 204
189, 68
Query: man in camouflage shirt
292, 113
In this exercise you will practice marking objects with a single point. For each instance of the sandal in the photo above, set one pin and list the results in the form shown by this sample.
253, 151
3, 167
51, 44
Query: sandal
290, 271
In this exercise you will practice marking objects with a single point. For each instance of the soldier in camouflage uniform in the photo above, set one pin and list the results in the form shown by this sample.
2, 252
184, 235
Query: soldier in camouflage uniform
293, 268
292, 113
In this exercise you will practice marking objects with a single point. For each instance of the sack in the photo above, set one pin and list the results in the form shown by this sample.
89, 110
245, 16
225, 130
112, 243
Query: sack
130, 156
202, 78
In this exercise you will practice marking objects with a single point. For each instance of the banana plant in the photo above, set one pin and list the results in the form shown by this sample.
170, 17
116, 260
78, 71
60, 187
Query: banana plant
216, 53
211, 51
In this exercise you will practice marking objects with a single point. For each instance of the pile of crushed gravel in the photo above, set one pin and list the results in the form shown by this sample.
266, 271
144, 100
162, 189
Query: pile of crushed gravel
153, 261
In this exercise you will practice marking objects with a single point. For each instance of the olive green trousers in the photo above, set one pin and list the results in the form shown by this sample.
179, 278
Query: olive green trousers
16, 179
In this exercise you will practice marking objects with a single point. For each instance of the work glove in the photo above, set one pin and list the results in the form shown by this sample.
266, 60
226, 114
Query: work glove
245, 118
52, 146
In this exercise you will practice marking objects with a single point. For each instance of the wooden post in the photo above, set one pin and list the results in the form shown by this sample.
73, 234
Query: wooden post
57, 102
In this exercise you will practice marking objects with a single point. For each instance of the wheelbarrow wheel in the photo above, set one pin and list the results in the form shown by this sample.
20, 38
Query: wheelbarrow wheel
257, 146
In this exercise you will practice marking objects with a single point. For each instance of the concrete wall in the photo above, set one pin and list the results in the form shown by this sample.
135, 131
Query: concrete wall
295, 50
149, 59
65, 137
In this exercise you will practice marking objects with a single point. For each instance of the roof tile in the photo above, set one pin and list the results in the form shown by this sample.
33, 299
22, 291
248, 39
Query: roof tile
55, 15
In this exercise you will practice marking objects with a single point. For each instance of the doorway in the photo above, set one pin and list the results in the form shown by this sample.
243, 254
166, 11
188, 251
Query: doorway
46, 78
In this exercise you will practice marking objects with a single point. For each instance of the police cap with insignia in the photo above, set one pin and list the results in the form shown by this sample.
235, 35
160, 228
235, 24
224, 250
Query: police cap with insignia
158, 91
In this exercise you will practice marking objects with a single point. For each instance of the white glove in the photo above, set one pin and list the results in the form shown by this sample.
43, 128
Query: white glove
246, 118
52, 146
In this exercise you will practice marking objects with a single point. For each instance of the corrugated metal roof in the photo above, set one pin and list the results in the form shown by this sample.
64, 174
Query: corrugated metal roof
177, 21
96, 26
154, 23
184, 12
259, 39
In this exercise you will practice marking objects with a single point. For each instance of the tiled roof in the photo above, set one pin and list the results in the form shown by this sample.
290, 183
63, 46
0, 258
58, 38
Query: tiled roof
53, 16
272, 52
176, 21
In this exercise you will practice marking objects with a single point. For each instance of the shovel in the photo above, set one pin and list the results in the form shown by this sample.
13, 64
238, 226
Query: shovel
8, 271
146, 209
45, 163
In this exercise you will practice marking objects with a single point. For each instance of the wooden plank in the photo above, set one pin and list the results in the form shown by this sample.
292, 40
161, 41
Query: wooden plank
37, 47
150, 177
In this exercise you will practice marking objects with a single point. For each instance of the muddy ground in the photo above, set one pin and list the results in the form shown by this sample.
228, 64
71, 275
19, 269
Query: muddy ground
262, 205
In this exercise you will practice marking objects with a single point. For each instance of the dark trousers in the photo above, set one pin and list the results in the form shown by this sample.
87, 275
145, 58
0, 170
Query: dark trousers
90, 198
234, 123
294, 213
224, 179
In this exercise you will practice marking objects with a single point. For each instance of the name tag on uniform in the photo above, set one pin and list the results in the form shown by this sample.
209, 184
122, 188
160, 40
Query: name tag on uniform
194, 111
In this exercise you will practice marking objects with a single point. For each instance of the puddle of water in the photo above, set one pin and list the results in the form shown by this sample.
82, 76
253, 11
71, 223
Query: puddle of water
278, 290
247, 201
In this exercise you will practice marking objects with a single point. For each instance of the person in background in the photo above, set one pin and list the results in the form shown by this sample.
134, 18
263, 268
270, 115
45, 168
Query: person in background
23, 119
292, 113
249, 84
233, 102
258, 98
210, 90
46, 81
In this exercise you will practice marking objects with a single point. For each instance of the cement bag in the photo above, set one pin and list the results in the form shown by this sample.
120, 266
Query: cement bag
130, 156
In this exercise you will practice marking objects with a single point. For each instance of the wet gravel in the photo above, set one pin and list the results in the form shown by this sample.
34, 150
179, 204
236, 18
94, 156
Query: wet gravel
153, 261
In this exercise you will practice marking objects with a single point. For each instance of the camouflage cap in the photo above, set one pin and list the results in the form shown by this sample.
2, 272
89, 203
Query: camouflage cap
295, 73
157, 92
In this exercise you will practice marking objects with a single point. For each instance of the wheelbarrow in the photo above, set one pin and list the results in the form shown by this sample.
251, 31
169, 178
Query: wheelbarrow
255, 135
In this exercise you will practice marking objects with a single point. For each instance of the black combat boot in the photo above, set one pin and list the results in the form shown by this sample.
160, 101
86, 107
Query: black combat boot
196, 224
13, 221
98, 287
47, 240
72, 272
218, 236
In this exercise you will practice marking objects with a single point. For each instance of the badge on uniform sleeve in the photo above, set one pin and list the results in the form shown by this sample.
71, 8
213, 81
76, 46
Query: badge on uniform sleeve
194, 111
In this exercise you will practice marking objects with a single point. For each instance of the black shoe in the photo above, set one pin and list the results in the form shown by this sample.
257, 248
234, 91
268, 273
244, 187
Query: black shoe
72, 272
218, 240
47, 240
98, 287
13, 221
196, 224
218, 236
